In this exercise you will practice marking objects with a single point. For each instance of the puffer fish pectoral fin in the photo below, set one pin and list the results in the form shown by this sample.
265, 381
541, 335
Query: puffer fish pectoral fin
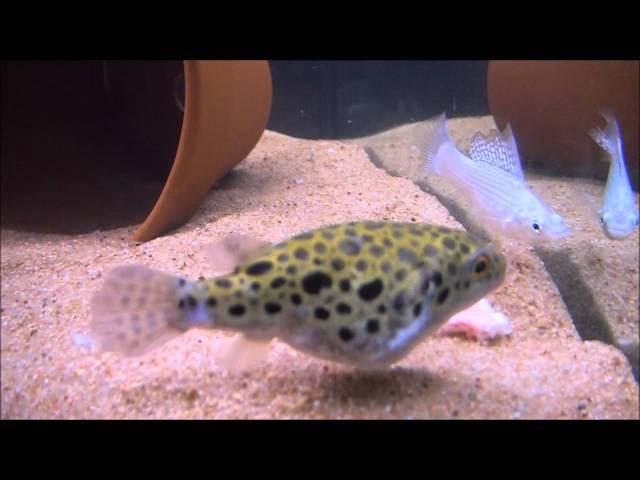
224, 255
136, 310
422, 323
243, 353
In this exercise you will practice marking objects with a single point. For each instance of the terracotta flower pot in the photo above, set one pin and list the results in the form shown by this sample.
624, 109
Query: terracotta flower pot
551, 105
227, 106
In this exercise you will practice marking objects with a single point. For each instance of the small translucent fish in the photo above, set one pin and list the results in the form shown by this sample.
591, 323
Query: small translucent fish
619, 214
491, 177
362, 293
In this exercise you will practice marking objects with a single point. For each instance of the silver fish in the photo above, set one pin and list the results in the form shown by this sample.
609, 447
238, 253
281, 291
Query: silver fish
619, 214
491, 177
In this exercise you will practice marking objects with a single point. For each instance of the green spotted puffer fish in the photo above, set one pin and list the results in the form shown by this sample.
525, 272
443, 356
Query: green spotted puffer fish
363, 293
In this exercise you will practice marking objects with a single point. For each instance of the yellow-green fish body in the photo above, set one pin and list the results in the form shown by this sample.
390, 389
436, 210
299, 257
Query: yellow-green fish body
362, 293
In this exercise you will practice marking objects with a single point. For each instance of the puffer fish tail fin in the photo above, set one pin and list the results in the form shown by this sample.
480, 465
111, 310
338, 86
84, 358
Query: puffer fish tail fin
435, 137
136, 310
607, 138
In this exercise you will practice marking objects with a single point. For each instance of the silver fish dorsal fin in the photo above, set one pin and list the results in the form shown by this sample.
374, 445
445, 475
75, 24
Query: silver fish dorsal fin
497, 149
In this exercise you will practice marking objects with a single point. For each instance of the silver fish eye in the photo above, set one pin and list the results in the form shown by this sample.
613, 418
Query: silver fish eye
536, 227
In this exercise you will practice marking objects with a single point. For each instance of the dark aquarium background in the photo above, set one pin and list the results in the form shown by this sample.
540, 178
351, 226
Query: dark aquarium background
347, 99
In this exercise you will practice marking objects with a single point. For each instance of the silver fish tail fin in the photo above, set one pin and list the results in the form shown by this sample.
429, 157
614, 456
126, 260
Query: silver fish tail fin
137, 309
612, 129
600, 137
435, 137
608, 138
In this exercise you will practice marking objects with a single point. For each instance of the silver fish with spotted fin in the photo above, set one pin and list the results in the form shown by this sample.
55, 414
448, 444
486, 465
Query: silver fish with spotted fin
491, 177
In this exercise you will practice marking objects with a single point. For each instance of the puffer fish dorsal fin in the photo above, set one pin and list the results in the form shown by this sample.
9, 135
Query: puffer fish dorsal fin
225, 255
497, 149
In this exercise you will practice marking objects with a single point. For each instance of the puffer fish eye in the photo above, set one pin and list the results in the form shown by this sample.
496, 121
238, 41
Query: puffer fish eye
481, 264
536, 227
